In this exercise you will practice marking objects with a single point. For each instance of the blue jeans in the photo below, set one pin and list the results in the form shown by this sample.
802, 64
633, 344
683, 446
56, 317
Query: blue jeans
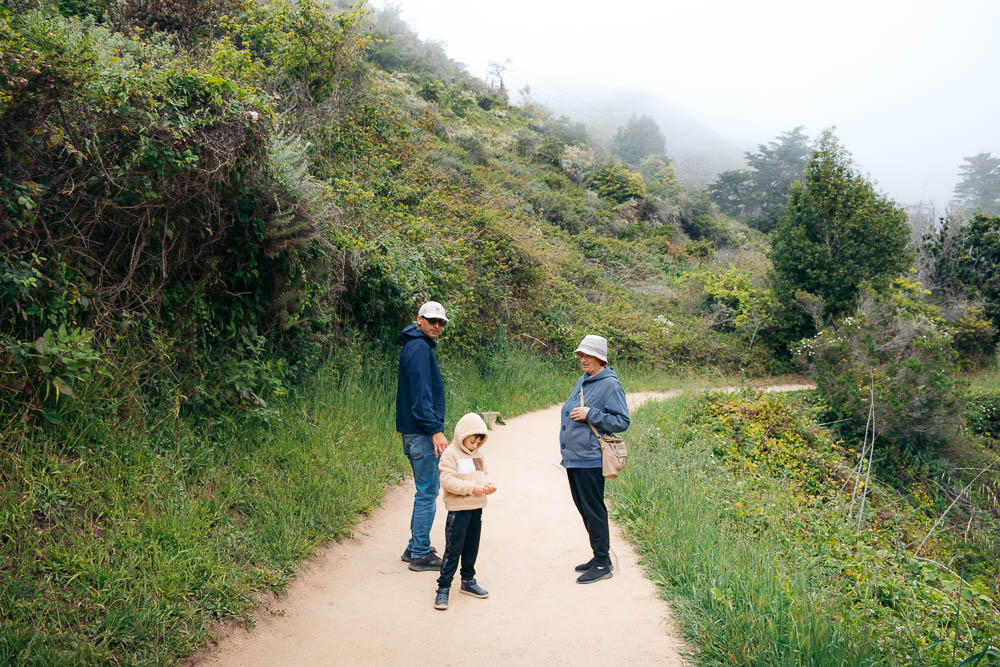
419, 449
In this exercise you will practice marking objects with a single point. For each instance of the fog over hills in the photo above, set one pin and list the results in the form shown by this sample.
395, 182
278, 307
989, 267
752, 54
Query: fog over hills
908, 84
698, 152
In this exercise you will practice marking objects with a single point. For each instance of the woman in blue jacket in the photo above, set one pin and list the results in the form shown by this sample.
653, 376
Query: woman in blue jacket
604, 406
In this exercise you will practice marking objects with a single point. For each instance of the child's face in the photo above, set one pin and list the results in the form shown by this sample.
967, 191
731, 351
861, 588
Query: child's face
472, 442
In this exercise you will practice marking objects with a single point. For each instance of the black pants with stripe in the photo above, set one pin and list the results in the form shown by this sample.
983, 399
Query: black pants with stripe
587, 487
461, 540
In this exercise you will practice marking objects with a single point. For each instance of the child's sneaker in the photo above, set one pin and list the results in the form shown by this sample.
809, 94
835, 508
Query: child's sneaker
470, 587
441, 599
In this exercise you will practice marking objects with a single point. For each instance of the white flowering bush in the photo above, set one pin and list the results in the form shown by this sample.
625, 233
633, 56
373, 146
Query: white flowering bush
577, 162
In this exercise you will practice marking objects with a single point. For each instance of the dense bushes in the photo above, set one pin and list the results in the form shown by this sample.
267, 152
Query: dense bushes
235, 200
134, 185
890, 367
962, 264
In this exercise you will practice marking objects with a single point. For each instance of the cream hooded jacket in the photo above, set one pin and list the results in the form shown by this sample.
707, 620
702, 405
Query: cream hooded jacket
462, 470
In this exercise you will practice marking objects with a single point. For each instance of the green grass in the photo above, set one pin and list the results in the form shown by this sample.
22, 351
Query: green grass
733, 504
125, 535
122, 540
988, 379
736, 597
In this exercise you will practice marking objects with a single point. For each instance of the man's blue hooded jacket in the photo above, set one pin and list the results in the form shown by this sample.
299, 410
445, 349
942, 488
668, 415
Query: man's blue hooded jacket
420, 392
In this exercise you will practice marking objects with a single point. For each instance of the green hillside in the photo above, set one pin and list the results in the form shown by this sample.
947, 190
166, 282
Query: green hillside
216, 216
215, 219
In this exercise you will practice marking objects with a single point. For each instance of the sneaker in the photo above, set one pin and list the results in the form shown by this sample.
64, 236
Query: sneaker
470, 587
441, 599
583, 567
429, 561
595, 573
406, 558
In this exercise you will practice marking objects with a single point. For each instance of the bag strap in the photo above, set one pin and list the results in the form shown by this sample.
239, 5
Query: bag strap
596, 434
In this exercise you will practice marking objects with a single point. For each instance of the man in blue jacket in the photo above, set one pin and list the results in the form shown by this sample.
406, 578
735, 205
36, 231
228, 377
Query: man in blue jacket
420, 418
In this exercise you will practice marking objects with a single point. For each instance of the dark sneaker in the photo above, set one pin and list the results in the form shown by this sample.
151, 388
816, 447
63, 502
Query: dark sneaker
595, 573
470, 587
441, 599
406, 554
583, 567
424, 563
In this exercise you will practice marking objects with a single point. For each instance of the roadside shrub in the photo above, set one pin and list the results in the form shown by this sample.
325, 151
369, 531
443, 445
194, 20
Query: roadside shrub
766, 434
902, 361
737, 302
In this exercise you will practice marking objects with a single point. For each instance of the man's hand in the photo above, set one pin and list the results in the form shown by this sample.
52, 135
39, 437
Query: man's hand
579, 414
440, 443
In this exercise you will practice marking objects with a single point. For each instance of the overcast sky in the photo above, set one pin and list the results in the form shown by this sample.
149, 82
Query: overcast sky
911, 86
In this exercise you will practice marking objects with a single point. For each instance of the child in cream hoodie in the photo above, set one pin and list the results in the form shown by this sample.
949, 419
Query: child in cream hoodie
463, 478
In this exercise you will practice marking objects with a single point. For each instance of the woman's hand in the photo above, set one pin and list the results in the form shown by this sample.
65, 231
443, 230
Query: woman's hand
579, 414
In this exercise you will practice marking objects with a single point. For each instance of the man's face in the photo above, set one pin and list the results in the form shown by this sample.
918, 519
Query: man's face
430, 326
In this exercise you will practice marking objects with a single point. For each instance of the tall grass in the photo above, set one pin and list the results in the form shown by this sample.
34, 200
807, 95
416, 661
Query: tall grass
739, 598
987, 378
123, 538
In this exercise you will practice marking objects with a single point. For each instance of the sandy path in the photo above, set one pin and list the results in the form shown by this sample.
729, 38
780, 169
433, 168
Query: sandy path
357, 603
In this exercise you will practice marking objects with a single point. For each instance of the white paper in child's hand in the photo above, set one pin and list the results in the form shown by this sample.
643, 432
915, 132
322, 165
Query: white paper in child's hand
466, 465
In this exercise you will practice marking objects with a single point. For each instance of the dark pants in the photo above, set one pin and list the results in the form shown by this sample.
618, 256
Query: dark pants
587, 487
461, 539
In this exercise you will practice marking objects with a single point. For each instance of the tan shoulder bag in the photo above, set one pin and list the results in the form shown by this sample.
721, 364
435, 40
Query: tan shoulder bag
613, 451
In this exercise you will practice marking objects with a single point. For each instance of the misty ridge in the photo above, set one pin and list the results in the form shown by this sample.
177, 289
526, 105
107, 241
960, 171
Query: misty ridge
705, 159
909, 157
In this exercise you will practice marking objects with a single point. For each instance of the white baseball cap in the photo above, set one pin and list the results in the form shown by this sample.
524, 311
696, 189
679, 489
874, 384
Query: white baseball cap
595, 346
432, 310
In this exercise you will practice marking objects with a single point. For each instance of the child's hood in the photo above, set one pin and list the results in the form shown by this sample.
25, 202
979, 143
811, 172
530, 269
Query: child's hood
470, 424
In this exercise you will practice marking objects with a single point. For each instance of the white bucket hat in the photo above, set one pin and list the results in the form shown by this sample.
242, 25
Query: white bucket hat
595, 346
432, 309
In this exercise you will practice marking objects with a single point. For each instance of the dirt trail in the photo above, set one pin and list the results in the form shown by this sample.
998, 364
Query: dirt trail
357, 603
